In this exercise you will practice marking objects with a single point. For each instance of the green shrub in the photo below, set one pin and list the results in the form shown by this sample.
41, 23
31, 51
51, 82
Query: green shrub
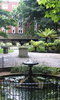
5, 44
18, 44
37, 43
19, 69
2, 44
3, 34
8, 44
51, 44
41, 49
57, 42
36, 69
31, 48
41, 69
46, 70
51, 47
26, 44
41, 43
57, 45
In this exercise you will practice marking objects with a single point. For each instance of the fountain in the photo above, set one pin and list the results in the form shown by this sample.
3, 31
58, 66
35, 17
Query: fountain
29, 81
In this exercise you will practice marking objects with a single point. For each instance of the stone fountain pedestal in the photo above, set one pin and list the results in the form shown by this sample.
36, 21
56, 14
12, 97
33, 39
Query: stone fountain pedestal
23, 52
29, 81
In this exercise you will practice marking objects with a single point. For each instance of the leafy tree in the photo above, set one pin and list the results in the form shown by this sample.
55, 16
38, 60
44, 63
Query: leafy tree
3, 34
47, 34
52, 9
31, 12
6, 19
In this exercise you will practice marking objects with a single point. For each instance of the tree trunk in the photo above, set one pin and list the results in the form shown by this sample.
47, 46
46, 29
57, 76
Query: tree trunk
35, 49
46, 40
46, 48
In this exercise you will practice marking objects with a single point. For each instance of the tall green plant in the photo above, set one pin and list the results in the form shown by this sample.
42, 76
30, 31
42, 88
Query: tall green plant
47, 34
36, 44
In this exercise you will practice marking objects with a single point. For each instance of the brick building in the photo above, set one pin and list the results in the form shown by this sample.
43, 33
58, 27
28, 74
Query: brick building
9, 5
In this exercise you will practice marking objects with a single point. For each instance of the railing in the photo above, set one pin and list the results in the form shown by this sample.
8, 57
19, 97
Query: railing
13, 88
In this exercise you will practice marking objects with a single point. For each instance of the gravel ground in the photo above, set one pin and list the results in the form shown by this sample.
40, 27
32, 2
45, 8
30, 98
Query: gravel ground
12, 59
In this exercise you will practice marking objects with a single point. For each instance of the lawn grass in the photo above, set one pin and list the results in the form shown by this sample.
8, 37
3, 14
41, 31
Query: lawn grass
9, 51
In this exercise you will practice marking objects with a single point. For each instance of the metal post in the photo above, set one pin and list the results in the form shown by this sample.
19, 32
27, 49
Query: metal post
2, 62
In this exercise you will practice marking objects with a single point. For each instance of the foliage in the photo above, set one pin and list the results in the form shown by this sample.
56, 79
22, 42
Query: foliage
51, 47
36, 69
57, 42
3, 34
37, 43
47, 23
41, 49
57, 45
5, 44
1, 51
42, 69
52, 9
18, 44
31, 48
47, 34
29, 9
32, 13
19, 69
6, 19
2, 44
8, 44
38, 49
50, 44
41, 46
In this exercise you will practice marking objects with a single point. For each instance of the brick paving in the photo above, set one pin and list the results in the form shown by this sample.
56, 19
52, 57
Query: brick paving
12, 59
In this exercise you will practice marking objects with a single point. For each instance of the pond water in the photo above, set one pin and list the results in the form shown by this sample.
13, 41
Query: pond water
11, 92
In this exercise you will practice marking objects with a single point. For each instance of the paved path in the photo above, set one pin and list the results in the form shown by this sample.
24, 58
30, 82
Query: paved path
12, 59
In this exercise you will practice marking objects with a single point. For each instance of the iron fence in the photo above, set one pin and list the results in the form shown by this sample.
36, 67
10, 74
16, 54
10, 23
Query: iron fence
46, 88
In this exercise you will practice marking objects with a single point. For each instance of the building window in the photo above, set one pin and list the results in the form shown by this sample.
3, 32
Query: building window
3, 29
19, 31
13, 31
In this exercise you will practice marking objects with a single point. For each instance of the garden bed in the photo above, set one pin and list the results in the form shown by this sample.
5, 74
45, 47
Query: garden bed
9, 51
23, 69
